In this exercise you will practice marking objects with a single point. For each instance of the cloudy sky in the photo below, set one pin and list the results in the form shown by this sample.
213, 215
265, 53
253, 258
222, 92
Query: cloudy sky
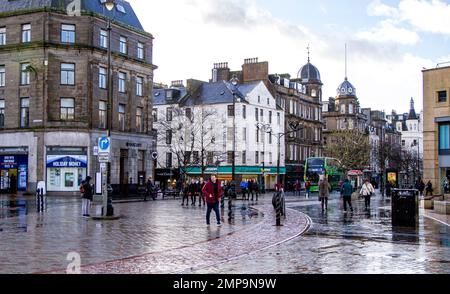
389, 41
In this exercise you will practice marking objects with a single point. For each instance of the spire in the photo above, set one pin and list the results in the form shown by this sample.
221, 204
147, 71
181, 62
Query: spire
412, 111
346, 76
308, 61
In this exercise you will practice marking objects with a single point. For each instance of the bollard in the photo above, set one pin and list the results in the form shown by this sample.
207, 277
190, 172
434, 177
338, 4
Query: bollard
278, 209
40, 200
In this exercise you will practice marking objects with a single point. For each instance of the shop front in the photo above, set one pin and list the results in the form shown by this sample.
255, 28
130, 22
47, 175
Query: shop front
13, 173
166, 178
66, 169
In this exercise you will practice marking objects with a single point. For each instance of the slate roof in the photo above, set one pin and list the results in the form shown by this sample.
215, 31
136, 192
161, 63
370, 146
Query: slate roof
96, 6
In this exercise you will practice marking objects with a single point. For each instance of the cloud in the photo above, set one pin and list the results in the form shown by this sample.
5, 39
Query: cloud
428, 16
376, 8
191, 35
387, 31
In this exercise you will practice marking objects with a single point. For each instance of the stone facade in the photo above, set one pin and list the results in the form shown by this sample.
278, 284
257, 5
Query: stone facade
436, 90
48, 129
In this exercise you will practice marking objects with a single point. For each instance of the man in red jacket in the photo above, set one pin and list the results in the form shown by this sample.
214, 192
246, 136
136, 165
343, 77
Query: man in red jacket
212, 192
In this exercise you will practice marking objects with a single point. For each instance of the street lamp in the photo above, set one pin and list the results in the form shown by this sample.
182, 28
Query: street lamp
234, 81
266, 128
109, 5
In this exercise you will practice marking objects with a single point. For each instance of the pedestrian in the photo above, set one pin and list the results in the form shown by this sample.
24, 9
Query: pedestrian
201, 185
86, 195
324, 192
243, 189
367, 191
150, 189
213, 191
251, 189
13, 184
429, 189
192, 191
421, 187
388, 189
307, 187
347, 191
185, 193
256, 187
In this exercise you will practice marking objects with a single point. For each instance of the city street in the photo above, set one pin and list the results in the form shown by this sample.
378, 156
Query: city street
164, 237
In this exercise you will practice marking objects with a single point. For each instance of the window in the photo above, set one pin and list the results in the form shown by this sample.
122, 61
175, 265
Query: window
257, 135
230, 157
210, 158
444, 139
343, 108
2, 113
123, 45
24, 74
139, 86
24, 112
270, 158
169, 137
139, 120
268, 101
262, 115
230, 110
189, 113
350, 108
102, 72
102, 108
122, 82
104, 39
259, 99
67, 109
256, 114
26, 33
270, 117
68, 33
442, 96
140, 50
2, 76
195, 157
278, 118
155, 115
2, 36
169, 114
403, 143
244, 111
257, 157
67, 74
122, 117
270, 138
169, 160
263, 157
244, 134
230, 134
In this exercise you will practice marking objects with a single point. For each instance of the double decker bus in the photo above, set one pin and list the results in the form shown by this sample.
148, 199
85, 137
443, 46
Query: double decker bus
323, 166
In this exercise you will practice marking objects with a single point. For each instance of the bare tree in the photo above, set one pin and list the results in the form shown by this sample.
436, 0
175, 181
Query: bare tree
189, 134
350, 147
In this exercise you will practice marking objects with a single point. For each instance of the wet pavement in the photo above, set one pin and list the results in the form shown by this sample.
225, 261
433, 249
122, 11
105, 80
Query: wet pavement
163, 237
362, 242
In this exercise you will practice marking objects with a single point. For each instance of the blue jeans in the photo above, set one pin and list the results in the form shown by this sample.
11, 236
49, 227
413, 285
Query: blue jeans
214, 207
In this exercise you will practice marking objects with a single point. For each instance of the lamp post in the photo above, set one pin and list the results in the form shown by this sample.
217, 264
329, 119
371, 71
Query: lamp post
266, 128
234, 81
109, 5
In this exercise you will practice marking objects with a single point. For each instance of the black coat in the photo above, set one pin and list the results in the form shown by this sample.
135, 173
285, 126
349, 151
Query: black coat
87, 191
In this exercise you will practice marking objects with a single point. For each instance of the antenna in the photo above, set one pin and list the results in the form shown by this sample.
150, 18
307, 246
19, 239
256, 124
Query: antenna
308, 52
346, 77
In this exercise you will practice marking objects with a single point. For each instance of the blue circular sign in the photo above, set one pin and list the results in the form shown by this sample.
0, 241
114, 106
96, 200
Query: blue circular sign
103, 144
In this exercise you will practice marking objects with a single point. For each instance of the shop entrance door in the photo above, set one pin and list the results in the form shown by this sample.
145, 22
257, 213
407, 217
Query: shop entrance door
4, 180
8, 181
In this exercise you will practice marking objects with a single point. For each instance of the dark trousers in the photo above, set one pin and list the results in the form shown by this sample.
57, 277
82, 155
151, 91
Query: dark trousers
348, 199
324, 201
429, 193
244, 191
193, 198
214, 207
200, 198
367, 201
251, 192
185, 196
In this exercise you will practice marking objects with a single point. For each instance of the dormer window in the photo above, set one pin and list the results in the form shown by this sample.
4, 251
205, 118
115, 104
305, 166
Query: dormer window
169, 94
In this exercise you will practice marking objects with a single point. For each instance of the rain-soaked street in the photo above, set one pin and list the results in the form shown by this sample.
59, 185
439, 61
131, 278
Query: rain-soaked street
164, 237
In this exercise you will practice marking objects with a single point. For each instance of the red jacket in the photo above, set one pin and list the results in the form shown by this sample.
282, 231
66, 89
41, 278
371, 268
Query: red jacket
208, 191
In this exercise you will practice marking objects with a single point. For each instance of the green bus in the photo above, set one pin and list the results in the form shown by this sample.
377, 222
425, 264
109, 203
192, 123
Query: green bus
323, 166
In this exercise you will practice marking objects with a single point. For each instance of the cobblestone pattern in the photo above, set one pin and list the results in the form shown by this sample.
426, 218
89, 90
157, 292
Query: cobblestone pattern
209, 254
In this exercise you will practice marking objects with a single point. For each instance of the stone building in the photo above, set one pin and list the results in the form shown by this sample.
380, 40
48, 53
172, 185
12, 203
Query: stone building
53, 93
436, 126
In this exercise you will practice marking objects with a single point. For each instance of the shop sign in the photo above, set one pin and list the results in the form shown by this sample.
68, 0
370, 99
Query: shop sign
134, 145
67, 161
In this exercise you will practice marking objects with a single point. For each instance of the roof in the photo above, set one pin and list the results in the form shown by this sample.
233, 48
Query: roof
126, 15
160, 97
309, 73
346, 89
219, 93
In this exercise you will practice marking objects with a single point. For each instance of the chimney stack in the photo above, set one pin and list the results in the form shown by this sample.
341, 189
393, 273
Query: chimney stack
220, 72
253, 70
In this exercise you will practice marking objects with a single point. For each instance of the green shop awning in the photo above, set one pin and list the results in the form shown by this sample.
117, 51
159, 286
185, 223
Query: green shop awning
240, 170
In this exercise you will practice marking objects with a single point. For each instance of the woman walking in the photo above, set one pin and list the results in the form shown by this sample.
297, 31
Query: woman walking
87, 197
193, 191
201, 185
324, 193
367, 191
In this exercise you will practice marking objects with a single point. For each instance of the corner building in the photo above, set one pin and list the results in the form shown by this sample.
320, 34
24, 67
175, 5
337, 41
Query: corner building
53, 94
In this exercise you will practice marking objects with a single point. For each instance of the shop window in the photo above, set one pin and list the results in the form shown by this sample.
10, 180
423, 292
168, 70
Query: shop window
444, 139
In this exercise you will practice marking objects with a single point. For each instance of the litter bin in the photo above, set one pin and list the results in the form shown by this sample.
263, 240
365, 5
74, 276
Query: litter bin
405, 208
